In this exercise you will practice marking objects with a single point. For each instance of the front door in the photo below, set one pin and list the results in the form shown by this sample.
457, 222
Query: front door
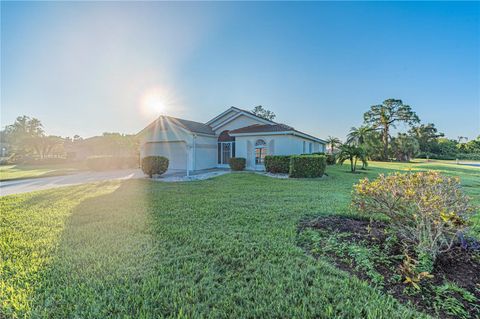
226, 150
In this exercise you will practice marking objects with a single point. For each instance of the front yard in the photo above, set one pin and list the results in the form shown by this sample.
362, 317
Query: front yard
225, 247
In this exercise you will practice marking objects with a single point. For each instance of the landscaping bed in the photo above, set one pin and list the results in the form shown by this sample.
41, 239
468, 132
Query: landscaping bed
369, 250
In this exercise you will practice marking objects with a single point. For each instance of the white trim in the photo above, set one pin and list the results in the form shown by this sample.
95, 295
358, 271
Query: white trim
240, 113
281, 133
222, 114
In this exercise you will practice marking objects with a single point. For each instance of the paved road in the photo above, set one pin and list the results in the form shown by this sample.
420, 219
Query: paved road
35, 184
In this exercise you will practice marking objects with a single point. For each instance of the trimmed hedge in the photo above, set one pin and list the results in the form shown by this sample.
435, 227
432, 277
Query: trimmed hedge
107, 162
307, 166
277, 163
152, 165
460, 156
237, 163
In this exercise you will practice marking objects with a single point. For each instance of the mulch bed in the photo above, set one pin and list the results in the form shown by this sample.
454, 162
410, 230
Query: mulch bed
458, 265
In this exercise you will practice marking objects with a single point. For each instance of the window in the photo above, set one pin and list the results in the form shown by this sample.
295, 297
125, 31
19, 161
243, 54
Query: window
260, 152
304, 150
310, 146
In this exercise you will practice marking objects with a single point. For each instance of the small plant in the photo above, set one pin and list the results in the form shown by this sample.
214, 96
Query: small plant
409, 269
237, 163
331, 159
152, 165
308, 166
426, 209
277, 164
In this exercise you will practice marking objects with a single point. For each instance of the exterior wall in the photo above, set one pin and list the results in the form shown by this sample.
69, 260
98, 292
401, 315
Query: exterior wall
239, 122
281, 144
205, 152
223, 118
176, 152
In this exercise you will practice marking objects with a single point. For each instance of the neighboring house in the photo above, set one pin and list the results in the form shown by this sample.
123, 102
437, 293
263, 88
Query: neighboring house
234, 133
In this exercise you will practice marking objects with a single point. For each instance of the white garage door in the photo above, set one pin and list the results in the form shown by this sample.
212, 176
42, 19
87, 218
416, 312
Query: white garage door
176, 152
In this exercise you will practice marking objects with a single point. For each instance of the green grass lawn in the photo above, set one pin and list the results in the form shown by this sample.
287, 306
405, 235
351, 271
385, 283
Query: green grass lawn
224, 247
22, 171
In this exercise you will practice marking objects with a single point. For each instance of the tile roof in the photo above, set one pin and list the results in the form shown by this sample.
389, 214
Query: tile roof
268, 128
262, 128
192, 126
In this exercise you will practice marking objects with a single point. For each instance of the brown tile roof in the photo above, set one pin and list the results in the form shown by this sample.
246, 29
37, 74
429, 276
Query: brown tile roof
268, 128
262, 128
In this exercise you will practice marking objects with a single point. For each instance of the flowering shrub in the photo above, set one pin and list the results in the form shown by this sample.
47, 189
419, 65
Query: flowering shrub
307, 166
427, 209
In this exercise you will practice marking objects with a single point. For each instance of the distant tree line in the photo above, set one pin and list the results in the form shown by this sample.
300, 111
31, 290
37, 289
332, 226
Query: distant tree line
374, 139
26, 141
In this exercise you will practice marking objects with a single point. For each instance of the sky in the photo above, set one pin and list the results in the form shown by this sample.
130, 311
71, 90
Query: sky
91, 67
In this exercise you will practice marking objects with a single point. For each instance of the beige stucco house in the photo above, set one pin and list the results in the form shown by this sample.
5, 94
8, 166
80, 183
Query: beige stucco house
195, 146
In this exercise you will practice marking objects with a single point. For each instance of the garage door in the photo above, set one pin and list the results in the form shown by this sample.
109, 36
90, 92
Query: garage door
176, 152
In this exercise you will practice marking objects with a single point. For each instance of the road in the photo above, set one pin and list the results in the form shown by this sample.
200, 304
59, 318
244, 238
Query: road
35, 184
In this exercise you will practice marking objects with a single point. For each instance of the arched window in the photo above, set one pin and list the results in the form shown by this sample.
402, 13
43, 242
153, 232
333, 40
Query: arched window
260, 152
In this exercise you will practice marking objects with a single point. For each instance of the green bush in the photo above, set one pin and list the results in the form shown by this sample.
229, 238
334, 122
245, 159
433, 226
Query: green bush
107, 162
427, 209
307, 166
152, 165
331, 159
277, 164
237, 163
460, 156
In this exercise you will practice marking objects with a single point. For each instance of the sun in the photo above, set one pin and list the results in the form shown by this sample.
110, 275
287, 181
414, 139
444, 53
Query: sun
154, 102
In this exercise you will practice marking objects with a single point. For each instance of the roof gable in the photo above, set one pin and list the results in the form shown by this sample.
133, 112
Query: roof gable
191, 126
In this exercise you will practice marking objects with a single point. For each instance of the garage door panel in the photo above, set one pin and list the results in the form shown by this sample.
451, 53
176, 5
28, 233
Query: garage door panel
176, 152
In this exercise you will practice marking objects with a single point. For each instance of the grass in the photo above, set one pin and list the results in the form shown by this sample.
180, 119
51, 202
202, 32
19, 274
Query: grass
23, 171
224, 247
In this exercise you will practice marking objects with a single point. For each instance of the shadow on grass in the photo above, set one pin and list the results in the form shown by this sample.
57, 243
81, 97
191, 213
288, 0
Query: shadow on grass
106, 250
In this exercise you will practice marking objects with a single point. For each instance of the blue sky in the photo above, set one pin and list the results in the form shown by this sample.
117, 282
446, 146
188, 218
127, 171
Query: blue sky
86, 68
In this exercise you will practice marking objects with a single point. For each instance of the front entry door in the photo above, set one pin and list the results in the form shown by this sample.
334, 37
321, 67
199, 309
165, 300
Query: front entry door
225, 152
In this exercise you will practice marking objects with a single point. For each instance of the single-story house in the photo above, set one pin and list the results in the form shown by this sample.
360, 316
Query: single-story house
195, 146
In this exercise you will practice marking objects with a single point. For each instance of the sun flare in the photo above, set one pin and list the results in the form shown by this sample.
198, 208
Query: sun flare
154, 102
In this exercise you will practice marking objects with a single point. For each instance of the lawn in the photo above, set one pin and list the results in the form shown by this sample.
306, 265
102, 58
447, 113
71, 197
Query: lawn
22, 171
225, 247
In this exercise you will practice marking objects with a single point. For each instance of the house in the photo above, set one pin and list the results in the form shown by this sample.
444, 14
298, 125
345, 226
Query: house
194, 146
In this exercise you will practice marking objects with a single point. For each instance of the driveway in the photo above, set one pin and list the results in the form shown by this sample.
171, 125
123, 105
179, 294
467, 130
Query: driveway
35, 184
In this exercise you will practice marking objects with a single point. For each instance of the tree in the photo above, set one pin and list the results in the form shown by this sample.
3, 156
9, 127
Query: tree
22, 132
333, 142
405, 147
260, 111
385, 116
427, 136
358, 136
353, 154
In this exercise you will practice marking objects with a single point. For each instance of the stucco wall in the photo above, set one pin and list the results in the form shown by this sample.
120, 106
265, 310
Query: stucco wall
282, 145
205, 152
223, 118
238, 122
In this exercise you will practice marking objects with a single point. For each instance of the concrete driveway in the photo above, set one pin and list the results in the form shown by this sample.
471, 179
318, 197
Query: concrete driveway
35, 184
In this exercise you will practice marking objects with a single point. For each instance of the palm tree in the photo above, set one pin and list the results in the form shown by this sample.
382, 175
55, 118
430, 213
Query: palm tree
353, 154
358, 136
333, 142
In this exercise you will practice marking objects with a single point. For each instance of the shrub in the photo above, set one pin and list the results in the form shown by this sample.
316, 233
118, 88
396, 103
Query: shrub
237, 163
307, 166
277, 163
331, 159
426, 209
152, 165
106, 162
